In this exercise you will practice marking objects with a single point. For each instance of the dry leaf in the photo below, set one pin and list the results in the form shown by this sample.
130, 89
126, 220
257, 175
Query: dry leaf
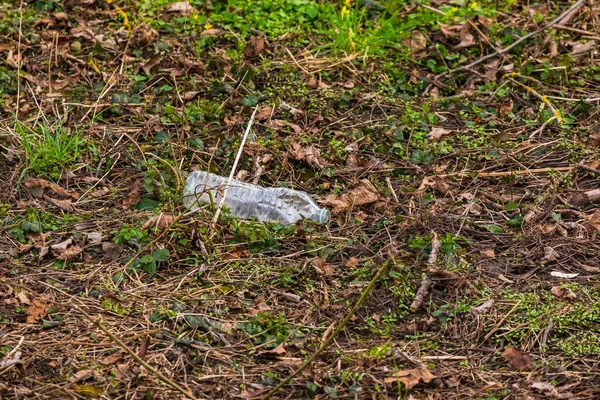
145, 34
11, 360
62, 246
264, 113
38, 309
488, 253
416, 43
352, 262
543, 386
279, 123
310, 154
581, 48
550, 254
94, 238
563, 293
364, 193
411, 377
255, 46
484, 308
437, 133
150, 66
181, 7
322, 267
111, 250
112, 359
81, 375
159, 222
71, 252
517, 358
134, 194
44, 184
213, 32
62, 204
588, 268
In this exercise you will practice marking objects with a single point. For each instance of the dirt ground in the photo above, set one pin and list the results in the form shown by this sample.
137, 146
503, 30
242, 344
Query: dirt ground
477, 179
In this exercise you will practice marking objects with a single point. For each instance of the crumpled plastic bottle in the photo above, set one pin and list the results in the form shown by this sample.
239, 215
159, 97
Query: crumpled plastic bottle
245, 200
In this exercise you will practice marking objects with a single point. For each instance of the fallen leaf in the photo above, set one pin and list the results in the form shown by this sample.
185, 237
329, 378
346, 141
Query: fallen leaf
488, 253
517, 358
62, 204
81, 375
415, 43
44, 184
112, 250
94, 238
213, 32
190, 95
542, 386
71, 252
588, 268
559, 274
264, 113
112, 359
160, 222
23, 298
38, 309
145, 34
581, 48
151, 65
310, 154
411, 377
8, 361
364, 193
563, 293
550, 254
134, 194
279, 123
437, 133
277, 351
352, 262
181, 7
62, 246
484, 308
255, 46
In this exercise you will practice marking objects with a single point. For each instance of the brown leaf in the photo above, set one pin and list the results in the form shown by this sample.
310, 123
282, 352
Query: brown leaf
112, 359
255, 46
588, 268
364, 193
484, 308
352, 262
517, 358
309, 153
264, 113
160, 222
44, 184
190, 95
145, 34
151, 65
549, 254
62, 204
71, 252
279, 124
415, 43
594, 139
488, 253
81, 375
563, 293
38, 309
437, 133
112, 250
181, 7
411, 377
594, 220
213, 32
134, 194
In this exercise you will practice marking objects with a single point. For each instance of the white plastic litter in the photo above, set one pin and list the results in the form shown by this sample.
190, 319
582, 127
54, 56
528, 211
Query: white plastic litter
244, 200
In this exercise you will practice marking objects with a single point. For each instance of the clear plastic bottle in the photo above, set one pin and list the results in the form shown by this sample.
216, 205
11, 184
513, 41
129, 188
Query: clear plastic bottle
246, 200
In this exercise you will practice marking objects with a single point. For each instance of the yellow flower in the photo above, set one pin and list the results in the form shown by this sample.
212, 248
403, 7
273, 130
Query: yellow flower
473, 5
345, 11
346, 2
208, 26
454, 9
195, 16
109, 1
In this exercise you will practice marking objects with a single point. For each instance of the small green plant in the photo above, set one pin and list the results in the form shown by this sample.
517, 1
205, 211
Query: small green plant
267, 329
149, 262
50, 149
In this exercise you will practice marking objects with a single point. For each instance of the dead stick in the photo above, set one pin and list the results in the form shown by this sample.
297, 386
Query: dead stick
417, 302
337, 330
505, 173
133, 355
518, 42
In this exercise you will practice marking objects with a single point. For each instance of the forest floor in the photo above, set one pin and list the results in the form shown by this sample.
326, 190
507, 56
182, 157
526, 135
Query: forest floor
110, 290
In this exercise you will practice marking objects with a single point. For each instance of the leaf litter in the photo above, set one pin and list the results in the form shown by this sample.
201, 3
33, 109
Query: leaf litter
403, 154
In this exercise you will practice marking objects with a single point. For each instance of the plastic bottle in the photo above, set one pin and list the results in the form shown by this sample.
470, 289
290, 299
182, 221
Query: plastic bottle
246, 200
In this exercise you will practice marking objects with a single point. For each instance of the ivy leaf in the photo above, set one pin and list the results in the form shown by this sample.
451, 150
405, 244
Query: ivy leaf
161, 255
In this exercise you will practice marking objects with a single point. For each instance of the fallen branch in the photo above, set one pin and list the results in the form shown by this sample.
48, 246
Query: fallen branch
515, 44
336, 332
477, 174
423, 290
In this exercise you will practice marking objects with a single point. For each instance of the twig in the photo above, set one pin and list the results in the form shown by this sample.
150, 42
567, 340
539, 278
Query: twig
233, 168
423, 290
589, 169
518, 42
464, 174
133, 355
497, 326
541, 128
337, 330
